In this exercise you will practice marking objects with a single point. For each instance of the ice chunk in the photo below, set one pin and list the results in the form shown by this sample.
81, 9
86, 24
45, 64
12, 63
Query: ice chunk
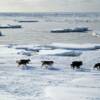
73, 46
7, 96
59, 52
77, 29
96, 33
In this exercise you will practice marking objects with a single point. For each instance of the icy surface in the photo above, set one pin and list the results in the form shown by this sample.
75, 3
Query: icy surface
96, 33
40, 32
75, 46
59, 82
59, 52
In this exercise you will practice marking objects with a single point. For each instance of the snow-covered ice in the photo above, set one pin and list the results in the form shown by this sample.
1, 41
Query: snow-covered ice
59, 52
57, 83
75, 46
96, 33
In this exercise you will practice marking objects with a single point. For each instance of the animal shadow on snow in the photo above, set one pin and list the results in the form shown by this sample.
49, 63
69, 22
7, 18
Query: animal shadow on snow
53, 69
83, 70
27, 67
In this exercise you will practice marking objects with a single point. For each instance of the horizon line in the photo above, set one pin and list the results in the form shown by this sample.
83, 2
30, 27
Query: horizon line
55, 12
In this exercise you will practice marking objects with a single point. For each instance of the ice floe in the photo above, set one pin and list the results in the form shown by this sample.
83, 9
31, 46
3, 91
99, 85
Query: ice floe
59, 52
77, 29
10, 26
27, 21
74, 46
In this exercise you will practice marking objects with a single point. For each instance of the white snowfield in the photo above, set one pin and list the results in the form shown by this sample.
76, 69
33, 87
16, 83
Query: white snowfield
59, 82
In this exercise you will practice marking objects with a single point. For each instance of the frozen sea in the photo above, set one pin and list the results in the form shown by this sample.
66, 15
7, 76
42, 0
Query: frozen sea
58, 82
39, 32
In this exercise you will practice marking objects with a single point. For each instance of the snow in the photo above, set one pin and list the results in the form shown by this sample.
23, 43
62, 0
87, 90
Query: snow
74, 46
72, 93
59, 52
7, 96
85, 88
4, 50
96, 33
59, 82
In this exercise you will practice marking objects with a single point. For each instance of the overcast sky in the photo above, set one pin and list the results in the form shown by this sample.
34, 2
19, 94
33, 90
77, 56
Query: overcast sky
49, 5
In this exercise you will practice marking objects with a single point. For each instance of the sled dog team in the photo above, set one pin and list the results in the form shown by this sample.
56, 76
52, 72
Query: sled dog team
46, 64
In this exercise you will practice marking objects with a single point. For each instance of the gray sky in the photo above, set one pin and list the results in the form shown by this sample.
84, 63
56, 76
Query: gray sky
49, 5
